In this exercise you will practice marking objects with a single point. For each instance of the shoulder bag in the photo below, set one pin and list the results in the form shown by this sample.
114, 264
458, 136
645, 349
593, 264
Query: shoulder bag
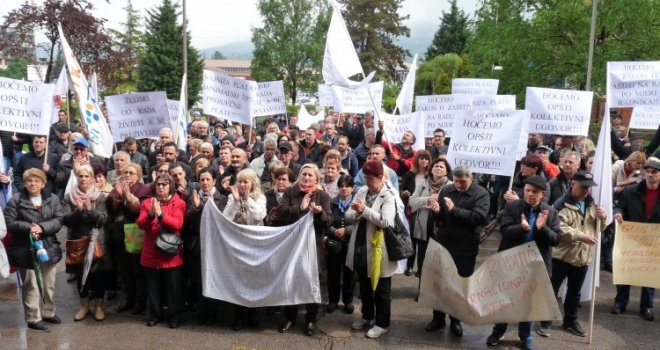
397, 238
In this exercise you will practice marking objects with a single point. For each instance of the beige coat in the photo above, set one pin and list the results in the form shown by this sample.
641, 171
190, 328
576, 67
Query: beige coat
573, 225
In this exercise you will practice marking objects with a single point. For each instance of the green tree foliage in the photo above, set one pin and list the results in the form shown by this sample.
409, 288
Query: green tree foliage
161, 63
217, 55
452, 35
127, 45
434, 76
374, 26
290, 45
16, 69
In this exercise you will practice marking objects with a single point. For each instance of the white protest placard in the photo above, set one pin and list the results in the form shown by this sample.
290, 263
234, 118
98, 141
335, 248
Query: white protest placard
173, 109
25, 107
633, 84
473, 86
440, 111
140, 115
510, 286
636, 254
326, 98
347, 100
559, 112
645, 117
305, 119
268, 99
497, 102
396, 125
258, 266
487, 141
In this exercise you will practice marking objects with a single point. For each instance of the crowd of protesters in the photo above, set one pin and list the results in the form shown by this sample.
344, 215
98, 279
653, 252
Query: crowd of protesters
345, 172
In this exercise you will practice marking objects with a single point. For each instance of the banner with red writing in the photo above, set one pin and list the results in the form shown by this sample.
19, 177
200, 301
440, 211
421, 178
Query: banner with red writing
636, 254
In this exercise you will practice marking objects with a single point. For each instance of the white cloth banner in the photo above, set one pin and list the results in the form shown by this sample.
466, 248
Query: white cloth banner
326, 98
61, 88
258, 266
497, 102
180, 127
349, 100
25, 107
559, 112
239, 100
510, 286
140, 115
645, 117
487, 141
396, 125
472, 86
440, 111
305, 119
405, 99
633, 84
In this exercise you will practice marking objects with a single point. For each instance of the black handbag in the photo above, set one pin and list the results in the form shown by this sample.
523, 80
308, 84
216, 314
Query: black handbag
397, 239
53, 248
168, 243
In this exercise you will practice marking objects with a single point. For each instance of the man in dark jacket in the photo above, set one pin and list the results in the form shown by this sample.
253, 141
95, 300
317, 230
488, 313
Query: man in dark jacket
60, 144
526, 220
310, 148
35, 159
560, 185
464, 207
639, 203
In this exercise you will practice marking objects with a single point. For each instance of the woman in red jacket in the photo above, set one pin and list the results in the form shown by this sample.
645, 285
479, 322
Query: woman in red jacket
163, 272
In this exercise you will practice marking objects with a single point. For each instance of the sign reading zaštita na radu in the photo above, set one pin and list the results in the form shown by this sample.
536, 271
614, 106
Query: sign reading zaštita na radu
645, 117
633, 84
240, 100
636, 254
258, 266
25, 107
357, 100
487, 141
474, 86
559, 112
510, 286
140, 115
440, 111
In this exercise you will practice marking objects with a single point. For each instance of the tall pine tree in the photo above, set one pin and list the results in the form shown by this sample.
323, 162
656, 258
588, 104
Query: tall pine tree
374, 26
127, 45
161, 63
452, 35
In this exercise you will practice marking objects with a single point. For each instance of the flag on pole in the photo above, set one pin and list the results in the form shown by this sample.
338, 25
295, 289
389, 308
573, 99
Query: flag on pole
61, 88
100, 137
340, 60
180, 129
405, 99
95, 86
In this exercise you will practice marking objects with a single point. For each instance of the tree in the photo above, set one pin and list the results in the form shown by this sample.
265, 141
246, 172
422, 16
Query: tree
83, 31
434, 76
291, 43
374, 26
16, 69
217, 55
161, 62
452, 35
127, 45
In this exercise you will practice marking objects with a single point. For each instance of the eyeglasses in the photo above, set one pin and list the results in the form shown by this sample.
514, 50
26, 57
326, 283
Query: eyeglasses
162, 184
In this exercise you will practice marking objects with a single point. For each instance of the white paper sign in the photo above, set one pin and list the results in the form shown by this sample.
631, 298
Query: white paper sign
487, 141
25, 107
645, 117
140, 115
440, 111
633, 84
258, 266
173, 109
559, 112
397, 125
347, 100
471, 86
497, 102
268, 99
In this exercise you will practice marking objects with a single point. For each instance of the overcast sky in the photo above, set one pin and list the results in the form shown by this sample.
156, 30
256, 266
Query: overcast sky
218, 22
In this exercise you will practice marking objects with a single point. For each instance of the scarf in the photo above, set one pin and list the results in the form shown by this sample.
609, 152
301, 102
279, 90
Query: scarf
437, 185
308, 188
241, 214
92, 193
343, 204
206, 195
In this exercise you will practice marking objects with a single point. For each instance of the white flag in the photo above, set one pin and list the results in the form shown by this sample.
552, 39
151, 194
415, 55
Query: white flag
405, 99
95, 86
100, 137
305, 120
340, 60
180, 129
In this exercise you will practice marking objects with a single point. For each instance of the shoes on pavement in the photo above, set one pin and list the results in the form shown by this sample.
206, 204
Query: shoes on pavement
349, 308
71, 278
54, 320
152, 322
617, 309
286, 326
544, 329
376, 332
418, 273
408, 272
362, 324
527, 344
494, 338
125, 307
435, 324
647, 314
456, 328
574, 327
39, 325
331, 307
310, 329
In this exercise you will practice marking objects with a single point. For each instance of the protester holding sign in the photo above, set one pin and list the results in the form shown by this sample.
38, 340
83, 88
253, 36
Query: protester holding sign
530, 165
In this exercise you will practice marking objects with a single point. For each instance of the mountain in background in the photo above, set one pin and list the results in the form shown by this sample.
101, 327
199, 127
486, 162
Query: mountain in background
239, 50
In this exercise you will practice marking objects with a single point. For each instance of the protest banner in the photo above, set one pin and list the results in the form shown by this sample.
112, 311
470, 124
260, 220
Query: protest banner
347, 100
633, 84
396, 125
173, 109
440, 111
405, 99
258, 266
497, 102
139, 114
25, 107
472, 86
510, 286
487, 141
326, 98
645, 117
305, 120
636, 254
239, 100
560, 112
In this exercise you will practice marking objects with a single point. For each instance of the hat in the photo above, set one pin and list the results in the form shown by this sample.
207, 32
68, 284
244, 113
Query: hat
373, 168
537, 181
584, 178
652, 163
197, 114
543, 147
62, 127
285, 146
228, 138
81, 141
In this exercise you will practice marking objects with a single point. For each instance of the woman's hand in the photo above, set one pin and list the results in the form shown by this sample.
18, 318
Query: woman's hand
305, 202
340, 232
315, 208
358, 205
235, 194
79, 204
36, 231
196, 200
155, 206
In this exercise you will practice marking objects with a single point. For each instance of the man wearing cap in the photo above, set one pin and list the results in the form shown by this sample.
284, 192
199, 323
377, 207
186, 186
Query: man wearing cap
35, 159
286, 157
549, 169
570, 259
71, 161
59, 145
61, 118
522, 221
639, 203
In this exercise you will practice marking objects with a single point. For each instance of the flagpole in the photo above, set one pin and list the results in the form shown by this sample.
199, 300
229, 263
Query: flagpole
593, 285
185, 54
592, 38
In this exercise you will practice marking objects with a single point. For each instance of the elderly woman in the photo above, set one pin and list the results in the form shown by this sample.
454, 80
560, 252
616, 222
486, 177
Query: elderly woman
373, 208
331, 174
423, 202
35, 215
162, 213
85, 216
100, 178
415, 176
303, 197
626, 173
282, 179
529, 165
123, 204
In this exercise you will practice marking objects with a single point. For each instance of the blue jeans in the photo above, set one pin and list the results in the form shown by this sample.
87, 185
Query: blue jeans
524, 329
575, 276
623, 295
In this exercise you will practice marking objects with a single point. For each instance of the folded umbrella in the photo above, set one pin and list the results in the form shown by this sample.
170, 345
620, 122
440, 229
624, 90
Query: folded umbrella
376, 257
